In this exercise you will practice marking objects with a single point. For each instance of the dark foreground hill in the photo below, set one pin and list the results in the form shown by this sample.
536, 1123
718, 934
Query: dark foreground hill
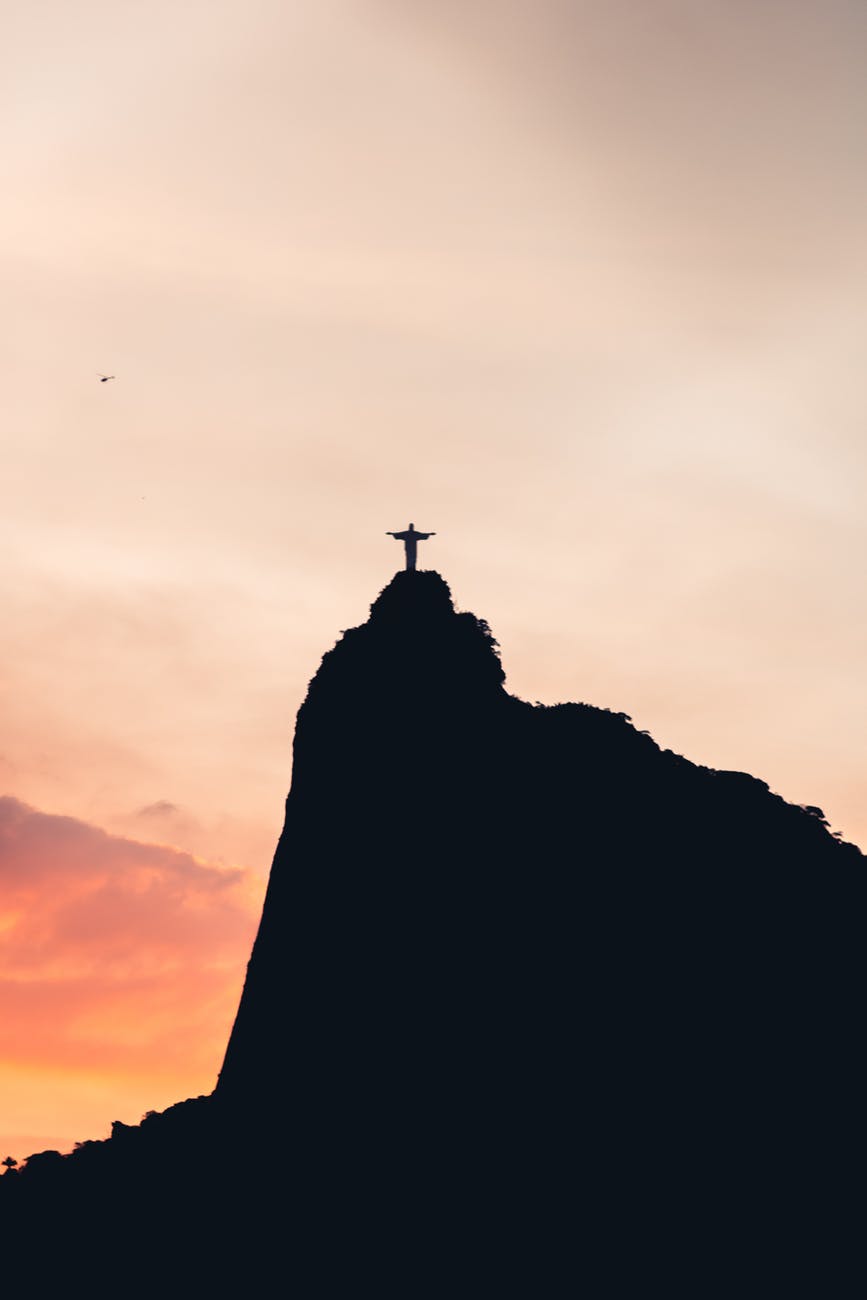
532, 1003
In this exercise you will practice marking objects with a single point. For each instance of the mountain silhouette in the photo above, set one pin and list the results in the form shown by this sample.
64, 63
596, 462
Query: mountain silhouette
530, 998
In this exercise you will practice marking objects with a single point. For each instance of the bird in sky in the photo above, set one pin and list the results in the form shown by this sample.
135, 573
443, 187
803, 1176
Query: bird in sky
103, 379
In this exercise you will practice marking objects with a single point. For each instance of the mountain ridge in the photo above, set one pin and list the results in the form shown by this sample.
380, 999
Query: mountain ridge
506, 947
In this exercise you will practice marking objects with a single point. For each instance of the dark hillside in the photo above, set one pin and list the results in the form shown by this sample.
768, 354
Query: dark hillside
524, 984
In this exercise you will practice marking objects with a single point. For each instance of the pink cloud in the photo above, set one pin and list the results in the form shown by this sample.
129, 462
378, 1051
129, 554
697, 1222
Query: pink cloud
116, 955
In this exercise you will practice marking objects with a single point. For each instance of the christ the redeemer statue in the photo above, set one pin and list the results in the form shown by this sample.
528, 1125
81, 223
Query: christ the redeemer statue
410, 540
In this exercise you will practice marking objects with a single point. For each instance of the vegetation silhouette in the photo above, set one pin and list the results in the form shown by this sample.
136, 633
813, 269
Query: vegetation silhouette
532, 1002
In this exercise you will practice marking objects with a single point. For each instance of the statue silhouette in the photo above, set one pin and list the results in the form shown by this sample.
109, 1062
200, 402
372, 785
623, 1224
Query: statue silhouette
410, 538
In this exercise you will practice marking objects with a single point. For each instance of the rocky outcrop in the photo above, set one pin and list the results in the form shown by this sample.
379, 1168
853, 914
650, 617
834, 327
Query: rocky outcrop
522, 979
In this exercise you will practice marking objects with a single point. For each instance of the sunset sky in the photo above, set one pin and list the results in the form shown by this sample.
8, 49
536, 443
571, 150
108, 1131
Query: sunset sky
582, 286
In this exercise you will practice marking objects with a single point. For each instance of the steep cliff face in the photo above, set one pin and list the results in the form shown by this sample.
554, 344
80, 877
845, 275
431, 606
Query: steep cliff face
488, 921
376, 931
525, 986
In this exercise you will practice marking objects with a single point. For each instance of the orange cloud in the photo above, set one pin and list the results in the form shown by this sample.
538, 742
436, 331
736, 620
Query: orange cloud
120, 970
